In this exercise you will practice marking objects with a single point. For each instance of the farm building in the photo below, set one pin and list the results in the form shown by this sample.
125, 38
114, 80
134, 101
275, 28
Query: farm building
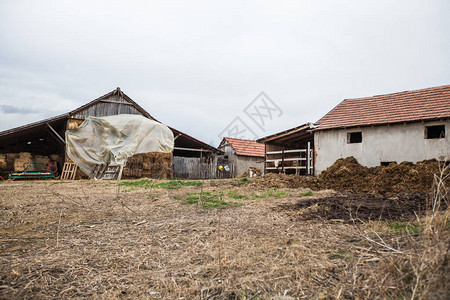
405, 126
241, 156
43, 141
289, 151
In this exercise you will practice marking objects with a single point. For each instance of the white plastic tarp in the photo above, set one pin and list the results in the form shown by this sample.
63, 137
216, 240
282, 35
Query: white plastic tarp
114, 139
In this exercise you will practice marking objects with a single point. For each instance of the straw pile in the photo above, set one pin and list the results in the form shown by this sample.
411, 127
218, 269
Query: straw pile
22, 161
7, 163
74, 124
19, 161
151, 165
3, 162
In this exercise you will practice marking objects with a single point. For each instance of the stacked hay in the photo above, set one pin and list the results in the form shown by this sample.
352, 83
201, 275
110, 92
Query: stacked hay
151, 165
3, 162
21, 162
41, 162
57, 158
74, 124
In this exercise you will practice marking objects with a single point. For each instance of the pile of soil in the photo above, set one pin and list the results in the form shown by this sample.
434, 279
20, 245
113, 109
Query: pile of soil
346, 174
361, 207
272, 180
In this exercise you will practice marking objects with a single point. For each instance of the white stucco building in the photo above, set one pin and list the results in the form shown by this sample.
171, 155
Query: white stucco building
406, 126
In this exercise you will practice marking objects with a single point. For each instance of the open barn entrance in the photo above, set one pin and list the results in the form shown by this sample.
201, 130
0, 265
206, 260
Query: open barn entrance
290, 151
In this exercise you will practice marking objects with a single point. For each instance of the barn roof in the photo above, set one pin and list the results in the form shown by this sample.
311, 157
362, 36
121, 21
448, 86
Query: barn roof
95, 106
291, 137
245, 147
410, 106
115, 94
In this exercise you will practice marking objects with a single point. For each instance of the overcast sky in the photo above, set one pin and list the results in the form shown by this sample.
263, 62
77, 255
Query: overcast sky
196, 65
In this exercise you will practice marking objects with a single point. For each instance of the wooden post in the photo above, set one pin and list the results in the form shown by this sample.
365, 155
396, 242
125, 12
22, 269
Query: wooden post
282, 161
308, 157
265, 158
56, 134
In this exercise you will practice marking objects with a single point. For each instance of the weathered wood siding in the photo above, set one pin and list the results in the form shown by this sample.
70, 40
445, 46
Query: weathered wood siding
113, 105
193, 168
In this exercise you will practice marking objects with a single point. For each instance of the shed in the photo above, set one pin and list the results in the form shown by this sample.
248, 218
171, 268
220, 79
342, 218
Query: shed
241, 155
289, 151
43, 141
405, 126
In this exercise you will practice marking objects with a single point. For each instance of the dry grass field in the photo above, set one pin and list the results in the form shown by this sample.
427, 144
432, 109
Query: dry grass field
217, 239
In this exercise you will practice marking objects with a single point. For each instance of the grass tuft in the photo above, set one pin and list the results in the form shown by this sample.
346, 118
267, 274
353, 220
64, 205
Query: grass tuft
269, 193
207, 200
177, 184
308, 193
405, 227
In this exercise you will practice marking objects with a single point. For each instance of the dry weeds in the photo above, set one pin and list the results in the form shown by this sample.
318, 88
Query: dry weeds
92, 239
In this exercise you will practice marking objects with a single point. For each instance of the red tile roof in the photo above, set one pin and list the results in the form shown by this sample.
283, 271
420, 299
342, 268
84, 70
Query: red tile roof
410, 106
246, 147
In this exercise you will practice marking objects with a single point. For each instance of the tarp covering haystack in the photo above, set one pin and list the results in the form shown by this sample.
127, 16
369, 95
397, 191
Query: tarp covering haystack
113, 139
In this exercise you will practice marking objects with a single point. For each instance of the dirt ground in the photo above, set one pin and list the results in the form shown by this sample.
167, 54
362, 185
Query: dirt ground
214, 239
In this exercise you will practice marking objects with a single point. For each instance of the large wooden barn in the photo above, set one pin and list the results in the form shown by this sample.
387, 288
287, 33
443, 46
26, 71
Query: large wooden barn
44, 141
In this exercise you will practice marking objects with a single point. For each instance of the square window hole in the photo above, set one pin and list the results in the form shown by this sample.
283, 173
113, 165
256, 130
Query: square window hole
435, 132
354, 137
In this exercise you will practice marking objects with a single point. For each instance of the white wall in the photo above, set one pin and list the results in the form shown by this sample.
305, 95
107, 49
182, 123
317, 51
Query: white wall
404, 142
245, 162
241, 163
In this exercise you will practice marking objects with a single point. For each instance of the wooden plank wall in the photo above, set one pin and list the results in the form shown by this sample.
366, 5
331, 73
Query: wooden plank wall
114, 105
193, 168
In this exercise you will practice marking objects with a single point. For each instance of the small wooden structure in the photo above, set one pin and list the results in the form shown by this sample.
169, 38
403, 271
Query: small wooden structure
69, 171
290, 151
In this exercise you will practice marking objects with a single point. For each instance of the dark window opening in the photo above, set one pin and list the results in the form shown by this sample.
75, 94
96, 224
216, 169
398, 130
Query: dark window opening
354, 137
435, 132
387, 163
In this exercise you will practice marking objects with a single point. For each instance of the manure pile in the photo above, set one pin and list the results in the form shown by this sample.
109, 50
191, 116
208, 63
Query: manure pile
346, 174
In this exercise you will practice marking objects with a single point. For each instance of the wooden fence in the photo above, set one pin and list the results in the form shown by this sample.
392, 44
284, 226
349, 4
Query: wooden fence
193, 168
299, 161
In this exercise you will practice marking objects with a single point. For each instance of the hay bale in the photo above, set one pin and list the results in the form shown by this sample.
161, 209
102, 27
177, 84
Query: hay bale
11, 156
151, 165
22, 161
3, 162
41, 162
55, 157
25, 155
74, 124
21, 164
